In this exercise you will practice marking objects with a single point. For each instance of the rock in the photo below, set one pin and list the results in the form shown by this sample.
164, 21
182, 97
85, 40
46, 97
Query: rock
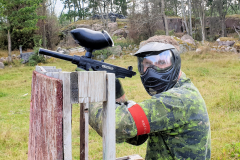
1, 65
198, 50
63, 51
59, 49
8, 59
120, 32
14, 56
25, 56
226, 43
97, 27
124, 48
162, 39
188, 39
113, 18
112, 27
112, 57
2, 59
116, 50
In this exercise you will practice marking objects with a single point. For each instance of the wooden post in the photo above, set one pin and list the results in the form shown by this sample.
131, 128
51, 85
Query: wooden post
77, 87
67, 115
109, 135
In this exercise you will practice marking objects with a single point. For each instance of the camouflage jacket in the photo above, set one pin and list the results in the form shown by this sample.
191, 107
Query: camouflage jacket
178, 119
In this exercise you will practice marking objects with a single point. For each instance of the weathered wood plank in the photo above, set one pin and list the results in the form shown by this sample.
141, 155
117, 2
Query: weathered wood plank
83, 87
74, 87
53, 74
109, 131
67, 115
97, 86
45, 131
84, 131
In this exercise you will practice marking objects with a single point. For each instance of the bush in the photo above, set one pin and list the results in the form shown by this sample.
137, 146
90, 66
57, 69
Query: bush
104, 52
160, 32
36, 58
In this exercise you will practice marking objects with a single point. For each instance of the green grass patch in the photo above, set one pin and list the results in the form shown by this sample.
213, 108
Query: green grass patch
216, 75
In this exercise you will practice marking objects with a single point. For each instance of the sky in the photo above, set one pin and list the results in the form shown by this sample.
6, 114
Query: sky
59, 7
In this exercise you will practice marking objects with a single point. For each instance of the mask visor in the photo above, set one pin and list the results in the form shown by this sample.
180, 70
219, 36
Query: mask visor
161, 62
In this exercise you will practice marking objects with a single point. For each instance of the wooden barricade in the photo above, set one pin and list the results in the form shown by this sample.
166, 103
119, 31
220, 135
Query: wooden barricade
53, 93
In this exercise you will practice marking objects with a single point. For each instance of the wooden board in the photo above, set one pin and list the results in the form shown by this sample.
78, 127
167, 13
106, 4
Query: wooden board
108, 130
92, 86
45, 131
67, 115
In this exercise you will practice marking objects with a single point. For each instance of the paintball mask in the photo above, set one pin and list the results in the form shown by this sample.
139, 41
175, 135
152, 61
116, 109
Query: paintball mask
159, 65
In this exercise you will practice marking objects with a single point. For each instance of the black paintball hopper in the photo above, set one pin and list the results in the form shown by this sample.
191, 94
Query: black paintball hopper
92, 40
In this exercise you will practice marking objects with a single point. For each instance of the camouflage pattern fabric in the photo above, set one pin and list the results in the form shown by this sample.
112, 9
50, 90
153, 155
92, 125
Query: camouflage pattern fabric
178, 119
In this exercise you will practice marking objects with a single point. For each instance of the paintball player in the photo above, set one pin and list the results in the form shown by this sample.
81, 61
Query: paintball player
175, 120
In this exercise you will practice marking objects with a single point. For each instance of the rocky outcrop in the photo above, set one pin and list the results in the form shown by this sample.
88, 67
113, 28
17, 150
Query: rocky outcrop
161, 39
112, 27
97, 27
226, 41
188, 39
120, 32
25, 56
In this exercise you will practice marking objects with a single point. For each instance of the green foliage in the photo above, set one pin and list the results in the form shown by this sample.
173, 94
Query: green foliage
36, 58
160, 32
20, 19
104, 52
171, 33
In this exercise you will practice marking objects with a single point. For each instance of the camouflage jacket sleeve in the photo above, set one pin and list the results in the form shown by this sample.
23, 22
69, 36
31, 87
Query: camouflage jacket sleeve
164, 111
125, 125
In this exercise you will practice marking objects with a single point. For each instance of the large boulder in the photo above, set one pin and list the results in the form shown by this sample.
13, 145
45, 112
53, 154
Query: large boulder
97, 27
25, 56
112, 27
120, 32
188, 39
226, 41
2, 59
161, 39
180, 45
1, 65
62, 51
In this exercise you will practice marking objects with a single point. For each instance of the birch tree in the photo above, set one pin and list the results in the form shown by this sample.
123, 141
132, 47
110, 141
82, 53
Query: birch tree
184, 16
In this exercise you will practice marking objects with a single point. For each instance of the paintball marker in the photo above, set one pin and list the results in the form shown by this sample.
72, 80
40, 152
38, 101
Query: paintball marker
91, 40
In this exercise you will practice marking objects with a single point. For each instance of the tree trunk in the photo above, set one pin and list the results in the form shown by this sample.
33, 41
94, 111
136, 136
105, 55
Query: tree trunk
164, 17
184, 16
69, 8
202, 19
44, 26
190, 17
83, 13
9, 47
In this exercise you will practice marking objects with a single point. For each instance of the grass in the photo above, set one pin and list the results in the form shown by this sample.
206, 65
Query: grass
216, 75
